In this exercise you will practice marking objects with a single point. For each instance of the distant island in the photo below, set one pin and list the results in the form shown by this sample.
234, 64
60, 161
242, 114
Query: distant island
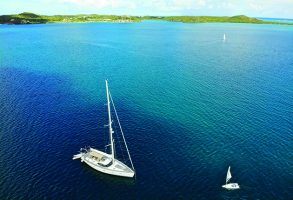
31, 18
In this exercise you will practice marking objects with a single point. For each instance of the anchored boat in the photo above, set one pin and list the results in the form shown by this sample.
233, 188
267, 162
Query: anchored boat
106, 162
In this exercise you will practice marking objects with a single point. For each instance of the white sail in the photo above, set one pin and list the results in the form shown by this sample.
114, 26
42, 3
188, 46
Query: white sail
224, 37
230, 186
229, 176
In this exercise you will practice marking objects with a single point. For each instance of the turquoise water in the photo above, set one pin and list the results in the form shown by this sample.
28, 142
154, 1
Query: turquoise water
278, 20
190, 105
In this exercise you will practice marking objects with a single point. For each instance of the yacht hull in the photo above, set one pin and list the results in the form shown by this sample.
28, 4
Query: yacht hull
110, 171
231, 186
116, 167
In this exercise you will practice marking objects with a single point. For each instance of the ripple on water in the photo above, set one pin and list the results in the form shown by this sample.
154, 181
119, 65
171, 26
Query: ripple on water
190, 106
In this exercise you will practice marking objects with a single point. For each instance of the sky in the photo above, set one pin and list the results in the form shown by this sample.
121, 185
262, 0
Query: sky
251, 8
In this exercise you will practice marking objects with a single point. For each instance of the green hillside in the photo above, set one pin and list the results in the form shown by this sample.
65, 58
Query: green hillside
31, 18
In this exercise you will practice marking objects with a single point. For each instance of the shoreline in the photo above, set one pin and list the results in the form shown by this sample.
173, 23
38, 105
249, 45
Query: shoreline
113, 22
31, 18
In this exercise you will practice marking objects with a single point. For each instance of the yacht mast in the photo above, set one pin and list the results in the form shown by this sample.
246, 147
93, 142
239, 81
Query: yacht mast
110, 123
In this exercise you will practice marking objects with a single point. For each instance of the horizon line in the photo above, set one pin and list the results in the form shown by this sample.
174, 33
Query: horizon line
151, 15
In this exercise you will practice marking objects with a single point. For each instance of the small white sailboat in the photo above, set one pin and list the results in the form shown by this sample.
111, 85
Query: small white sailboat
224, 37
102, 161
230, 186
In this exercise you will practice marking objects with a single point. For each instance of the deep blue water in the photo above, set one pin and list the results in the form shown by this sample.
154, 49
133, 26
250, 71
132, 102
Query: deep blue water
190, 105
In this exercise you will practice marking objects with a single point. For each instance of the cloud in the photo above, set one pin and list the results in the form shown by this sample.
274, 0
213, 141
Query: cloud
226, 5
101, 4
253, 8
165, 5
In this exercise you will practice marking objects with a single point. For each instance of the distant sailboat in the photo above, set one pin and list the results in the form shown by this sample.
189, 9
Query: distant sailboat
224, 37
102, 161
230, 186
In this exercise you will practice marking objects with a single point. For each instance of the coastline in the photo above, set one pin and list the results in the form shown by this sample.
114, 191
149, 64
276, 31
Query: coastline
31, 18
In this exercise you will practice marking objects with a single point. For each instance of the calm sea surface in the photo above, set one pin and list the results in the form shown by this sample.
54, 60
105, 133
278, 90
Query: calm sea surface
190, 105
281, 20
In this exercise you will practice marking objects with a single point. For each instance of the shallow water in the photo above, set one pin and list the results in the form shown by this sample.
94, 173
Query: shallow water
190, 105
281, 20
